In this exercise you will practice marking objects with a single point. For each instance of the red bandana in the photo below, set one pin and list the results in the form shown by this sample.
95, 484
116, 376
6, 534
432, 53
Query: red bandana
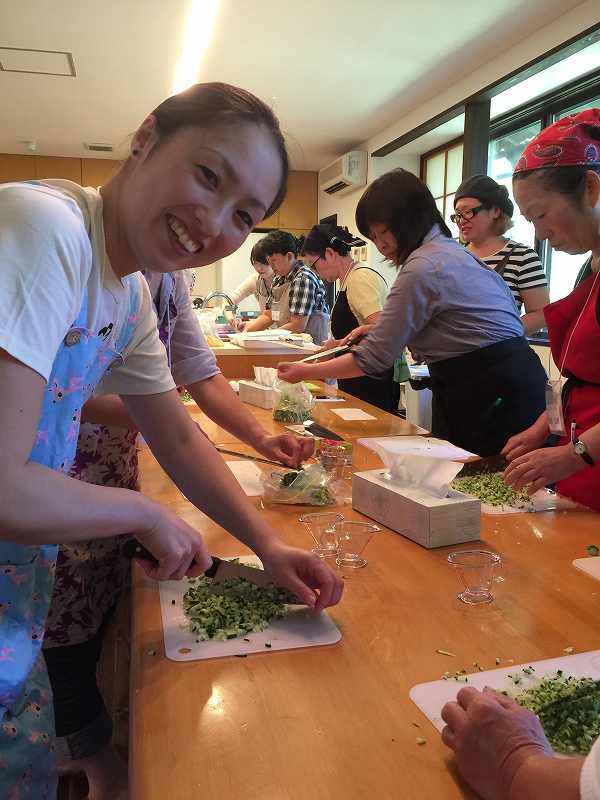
567, 143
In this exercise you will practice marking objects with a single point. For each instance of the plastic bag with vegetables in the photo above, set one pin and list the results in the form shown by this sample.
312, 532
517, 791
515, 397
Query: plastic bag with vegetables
308, 487
294, 402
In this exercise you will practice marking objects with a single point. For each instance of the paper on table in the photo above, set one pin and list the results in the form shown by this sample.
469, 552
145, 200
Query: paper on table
247, 475
352, 414
418, 445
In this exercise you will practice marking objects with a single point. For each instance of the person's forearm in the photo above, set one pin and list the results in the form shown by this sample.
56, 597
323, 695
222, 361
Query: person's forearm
196, 468
342, 367
80, 510
296, 325
591, 437
259, 324
533, 322
219, 402
547, 776
107, 409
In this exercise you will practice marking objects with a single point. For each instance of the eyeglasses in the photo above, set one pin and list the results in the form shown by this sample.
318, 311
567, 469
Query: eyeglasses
467, 214
318, 258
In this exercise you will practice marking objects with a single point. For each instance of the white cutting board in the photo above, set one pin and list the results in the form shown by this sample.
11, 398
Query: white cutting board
431, 697
590, 565
301, 628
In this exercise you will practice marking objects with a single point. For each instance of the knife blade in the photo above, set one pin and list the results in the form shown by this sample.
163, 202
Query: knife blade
333, 352
220, 570
496, 463
320, 431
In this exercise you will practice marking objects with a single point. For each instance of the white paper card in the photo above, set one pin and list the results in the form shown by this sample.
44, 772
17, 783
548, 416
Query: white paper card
417, 445
247, 475
352, 414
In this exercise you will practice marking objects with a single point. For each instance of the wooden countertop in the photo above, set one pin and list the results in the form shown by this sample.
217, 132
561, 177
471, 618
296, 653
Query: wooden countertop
335, 723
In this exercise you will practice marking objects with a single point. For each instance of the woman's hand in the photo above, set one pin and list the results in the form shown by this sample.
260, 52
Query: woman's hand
542, 467
238, 324
330, 343
355, 335
530, 439
303, 573
492, 737
292, 371
175, 545
287, 448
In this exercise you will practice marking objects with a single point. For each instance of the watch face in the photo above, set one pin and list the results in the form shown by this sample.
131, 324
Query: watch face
579, 448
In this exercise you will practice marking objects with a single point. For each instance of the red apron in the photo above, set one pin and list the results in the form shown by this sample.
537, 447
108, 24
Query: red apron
582, 368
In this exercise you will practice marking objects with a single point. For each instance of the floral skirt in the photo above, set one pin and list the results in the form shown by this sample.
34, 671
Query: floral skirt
90, 575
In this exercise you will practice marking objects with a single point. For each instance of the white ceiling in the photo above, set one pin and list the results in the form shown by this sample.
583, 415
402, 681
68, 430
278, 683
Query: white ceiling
339, 70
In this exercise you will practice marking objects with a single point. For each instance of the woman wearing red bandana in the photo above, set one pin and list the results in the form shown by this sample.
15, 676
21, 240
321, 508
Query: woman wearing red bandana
557, 186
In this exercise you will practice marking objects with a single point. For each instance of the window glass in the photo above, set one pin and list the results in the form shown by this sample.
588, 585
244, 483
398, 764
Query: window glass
454, 168
503, 154
435, 174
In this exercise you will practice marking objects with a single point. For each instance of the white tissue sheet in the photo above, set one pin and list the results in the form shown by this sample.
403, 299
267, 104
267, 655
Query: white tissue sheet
265, 376
417, 445
431, 475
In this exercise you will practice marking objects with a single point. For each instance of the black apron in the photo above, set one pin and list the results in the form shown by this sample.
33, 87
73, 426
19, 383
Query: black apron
484, 397
383, 391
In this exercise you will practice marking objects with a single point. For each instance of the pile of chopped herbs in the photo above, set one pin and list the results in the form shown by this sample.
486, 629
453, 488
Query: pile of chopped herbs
568, 708
290, 409
186, 397
232, 608
491, 489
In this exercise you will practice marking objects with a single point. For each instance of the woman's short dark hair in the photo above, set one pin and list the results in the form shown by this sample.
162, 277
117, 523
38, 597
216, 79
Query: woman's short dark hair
257, 254
404, 204
569, 181
209, 104
325, 235
282, 242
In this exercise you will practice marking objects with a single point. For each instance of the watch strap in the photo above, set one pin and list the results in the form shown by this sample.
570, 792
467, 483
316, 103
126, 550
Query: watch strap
583, 453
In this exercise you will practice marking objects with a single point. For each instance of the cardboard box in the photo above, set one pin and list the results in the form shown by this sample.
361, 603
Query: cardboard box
257, 395
429, 521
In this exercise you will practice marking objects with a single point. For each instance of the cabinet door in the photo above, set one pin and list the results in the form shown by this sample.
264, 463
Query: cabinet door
96, 171
269, 222
16, 168
57, 167
299, 209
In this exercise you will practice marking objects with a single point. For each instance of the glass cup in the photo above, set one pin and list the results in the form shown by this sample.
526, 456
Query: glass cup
476, 571
322, 528
353, 537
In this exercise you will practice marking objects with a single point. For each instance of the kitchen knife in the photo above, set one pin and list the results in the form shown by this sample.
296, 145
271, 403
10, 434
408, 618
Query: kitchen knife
320, 431
332, 353
496, 463
220, 570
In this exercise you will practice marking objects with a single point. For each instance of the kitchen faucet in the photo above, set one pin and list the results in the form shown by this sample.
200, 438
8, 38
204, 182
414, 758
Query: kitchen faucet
232, 306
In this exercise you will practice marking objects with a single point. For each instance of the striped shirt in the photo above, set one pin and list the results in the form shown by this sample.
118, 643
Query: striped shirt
523, 269
307, 292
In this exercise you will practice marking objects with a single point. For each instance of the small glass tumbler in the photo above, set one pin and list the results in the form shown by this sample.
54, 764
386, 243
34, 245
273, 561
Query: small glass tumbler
353, 537
322, 528
476, 571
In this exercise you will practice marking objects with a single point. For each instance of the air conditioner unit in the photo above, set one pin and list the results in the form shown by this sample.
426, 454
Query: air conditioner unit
345, 174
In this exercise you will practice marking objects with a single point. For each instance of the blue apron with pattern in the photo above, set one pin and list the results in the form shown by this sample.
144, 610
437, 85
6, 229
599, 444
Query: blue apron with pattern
27, 770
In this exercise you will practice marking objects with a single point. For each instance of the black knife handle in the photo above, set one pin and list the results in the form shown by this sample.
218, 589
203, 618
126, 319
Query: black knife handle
134, 549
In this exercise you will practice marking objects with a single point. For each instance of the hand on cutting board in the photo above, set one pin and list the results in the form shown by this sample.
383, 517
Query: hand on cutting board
293, 372
530, 439
542, 467
287, 448
493, 738
175, 545
303, 573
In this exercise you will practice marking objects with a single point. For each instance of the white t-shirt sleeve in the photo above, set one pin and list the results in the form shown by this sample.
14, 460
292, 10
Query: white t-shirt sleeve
192, 359
145, 369
45, 262
244, 290
589, 784
366, 293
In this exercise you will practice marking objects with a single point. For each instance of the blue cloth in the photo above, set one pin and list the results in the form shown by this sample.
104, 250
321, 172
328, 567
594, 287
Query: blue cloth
27, 572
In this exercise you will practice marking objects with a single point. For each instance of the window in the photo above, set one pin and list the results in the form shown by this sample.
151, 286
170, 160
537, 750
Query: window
503, 154
442, 172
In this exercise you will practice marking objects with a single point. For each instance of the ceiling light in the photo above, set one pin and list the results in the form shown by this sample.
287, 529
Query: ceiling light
199, 29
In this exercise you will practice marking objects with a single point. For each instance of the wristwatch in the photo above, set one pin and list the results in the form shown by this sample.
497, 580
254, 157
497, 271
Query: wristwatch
581, 450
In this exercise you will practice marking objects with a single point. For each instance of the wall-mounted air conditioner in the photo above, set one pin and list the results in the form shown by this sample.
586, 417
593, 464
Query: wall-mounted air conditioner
345, 174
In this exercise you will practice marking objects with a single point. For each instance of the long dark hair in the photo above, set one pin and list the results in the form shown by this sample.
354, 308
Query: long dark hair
404, 204
325, 235
257, 254
214, 103
282, 242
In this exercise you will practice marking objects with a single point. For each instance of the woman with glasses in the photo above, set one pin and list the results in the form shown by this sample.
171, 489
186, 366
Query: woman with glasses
452, 312
359, 302
483, 213
297, 293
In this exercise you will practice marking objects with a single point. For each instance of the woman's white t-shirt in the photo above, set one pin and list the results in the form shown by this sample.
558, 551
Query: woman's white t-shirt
51, 250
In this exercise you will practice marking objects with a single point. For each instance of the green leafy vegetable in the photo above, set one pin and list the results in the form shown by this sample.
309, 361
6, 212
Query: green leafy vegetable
593, 550
232, 608
490, 488
568, 708
290, 409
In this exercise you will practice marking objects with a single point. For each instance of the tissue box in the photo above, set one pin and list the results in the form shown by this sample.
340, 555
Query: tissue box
428, 521
257, 395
